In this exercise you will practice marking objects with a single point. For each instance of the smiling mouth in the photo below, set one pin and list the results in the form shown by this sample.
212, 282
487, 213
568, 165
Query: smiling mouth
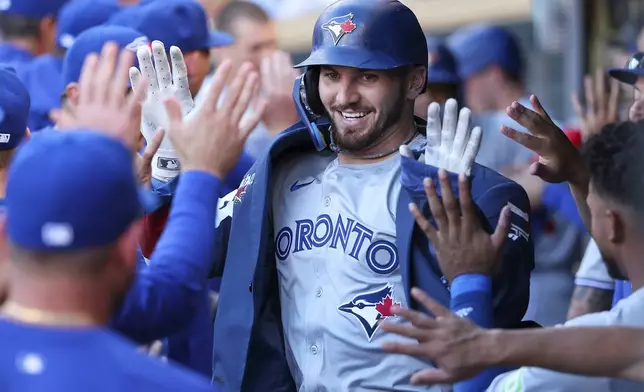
353, 115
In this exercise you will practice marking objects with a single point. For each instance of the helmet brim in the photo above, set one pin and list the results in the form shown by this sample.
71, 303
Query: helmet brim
350, 57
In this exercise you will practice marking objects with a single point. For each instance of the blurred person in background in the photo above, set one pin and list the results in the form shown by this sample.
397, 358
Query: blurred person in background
28, 29
492, 69
43, 76
256, 41
443, 82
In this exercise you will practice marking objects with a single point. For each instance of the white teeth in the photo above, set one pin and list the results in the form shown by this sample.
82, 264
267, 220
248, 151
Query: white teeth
353, 115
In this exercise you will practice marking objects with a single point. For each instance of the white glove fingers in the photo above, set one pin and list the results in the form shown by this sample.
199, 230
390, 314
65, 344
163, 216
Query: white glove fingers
462, 132
144, 55
136, 80
180, 76
433, 134
471, 150
161, 66
449, 125
434, 124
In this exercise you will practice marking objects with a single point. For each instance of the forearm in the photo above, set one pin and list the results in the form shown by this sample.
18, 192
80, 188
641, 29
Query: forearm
166, 294
617, 352
472, 298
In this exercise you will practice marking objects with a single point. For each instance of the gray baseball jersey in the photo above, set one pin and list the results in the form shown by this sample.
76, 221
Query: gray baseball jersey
335, 237
592, 271
627, 312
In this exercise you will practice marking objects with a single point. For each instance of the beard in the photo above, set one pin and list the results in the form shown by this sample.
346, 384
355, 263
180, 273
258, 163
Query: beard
356, 139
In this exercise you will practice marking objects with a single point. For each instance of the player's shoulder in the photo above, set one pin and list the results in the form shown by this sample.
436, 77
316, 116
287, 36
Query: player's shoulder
626, 312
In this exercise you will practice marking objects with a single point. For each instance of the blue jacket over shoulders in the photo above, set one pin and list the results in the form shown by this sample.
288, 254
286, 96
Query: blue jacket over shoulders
249, 352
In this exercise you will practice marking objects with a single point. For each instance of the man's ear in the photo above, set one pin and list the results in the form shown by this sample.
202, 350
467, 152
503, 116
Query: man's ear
417, 80
617, 227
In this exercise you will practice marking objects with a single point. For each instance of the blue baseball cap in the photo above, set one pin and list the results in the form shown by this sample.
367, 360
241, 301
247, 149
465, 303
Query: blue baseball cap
481, 46
633, 70
33, 9
80, 15
71, 190
14, 109
180, 23
442, 65
92, 41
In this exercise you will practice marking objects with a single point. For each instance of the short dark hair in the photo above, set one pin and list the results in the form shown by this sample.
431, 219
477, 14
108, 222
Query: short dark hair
16, 26
239, 9
615, 161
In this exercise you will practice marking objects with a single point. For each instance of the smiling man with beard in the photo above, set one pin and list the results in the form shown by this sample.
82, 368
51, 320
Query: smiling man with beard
317, 244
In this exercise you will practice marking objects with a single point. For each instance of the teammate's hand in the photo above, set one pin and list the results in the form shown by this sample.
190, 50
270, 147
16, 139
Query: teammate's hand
601, 109
455, 344
277, 78
103, 103
451, 146
461, 244
211, 138
162, 82
559, 159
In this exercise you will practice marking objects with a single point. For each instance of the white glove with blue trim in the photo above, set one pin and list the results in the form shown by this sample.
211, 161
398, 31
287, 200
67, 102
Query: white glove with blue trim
162, 83
450, 146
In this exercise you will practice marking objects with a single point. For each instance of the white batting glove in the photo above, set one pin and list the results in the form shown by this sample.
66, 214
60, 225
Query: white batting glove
162, 83
451, 146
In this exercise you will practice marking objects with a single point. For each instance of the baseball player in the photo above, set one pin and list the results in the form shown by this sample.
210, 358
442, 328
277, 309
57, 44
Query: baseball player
612, 177
28, 29
70, 267
595, 288
317, 244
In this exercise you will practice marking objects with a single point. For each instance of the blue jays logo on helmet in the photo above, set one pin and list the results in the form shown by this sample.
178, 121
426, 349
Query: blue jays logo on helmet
370, 308
339, 26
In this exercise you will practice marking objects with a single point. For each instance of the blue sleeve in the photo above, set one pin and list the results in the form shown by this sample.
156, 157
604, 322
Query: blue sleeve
471, 297
557, 198
166, 295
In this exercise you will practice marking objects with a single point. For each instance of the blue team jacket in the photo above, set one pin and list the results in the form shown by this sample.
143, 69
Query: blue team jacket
249, 350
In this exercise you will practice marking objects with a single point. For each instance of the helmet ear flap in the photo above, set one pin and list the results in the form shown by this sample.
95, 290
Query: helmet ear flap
311, 94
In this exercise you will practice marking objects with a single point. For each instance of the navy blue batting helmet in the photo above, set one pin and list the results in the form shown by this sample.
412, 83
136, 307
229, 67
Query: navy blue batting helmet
367, 34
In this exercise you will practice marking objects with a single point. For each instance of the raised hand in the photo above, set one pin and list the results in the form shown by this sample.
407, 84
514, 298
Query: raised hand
277, 78
450, 146
103, 103
559, 160
455, 344
163, 82
461, 244
601, 108
211, 138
